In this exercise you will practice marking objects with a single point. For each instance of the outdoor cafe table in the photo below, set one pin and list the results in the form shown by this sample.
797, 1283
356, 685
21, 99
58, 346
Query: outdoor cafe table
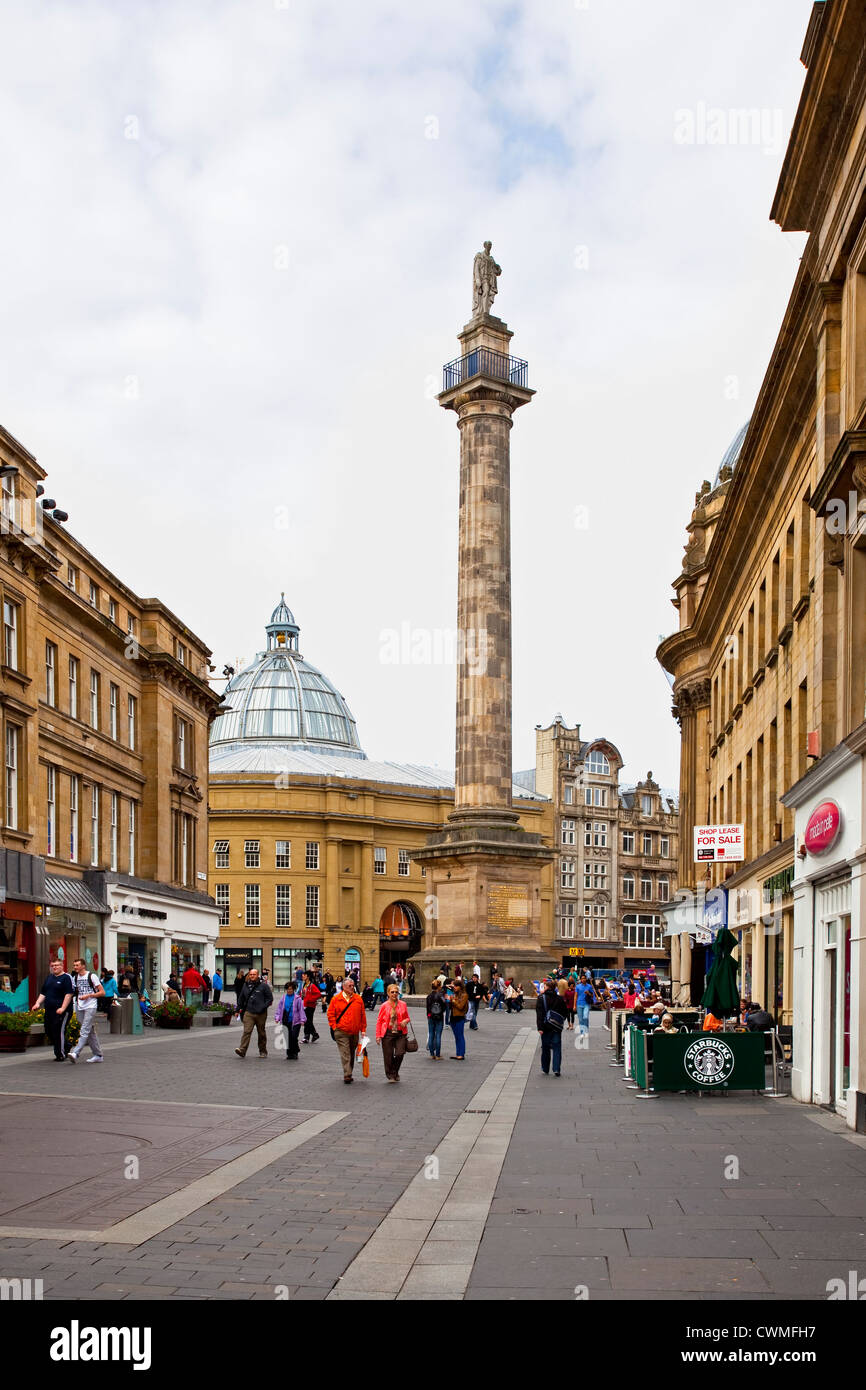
698, 1061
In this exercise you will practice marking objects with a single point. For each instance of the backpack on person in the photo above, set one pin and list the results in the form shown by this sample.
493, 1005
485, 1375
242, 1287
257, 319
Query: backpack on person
437, 1008
91, 981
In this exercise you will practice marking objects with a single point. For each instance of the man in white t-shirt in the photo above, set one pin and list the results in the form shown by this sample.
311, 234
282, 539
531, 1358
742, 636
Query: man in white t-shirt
87, 990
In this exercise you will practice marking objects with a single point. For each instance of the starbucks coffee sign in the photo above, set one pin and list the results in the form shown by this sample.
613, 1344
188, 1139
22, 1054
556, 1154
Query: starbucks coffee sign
709, 1062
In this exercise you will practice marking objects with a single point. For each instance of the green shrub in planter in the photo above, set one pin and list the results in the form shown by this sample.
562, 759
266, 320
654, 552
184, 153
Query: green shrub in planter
16, 1022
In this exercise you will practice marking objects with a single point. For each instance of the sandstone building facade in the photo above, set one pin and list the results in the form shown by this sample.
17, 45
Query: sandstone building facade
769, 662
105, 708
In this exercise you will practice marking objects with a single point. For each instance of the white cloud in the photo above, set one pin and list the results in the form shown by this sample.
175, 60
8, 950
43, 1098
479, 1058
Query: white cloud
281, 260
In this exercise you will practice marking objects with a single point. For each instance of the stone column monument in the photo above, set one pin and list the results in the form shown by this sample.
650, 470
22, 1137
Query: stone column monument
484, 871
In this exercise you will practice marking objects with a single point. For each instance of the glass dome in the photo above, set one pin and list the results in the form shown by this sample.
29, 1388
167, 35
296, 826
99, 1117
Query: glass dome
281, 699
731, 456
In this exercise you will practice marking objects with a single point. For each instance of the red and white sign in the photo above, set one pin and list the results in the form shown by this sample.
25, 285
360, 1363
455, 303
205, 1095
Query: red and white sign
823, 827
715, 842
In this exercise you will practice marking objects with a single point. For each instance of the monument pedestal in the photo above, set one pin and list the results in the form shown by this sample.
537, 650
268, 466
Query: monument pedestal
484, 875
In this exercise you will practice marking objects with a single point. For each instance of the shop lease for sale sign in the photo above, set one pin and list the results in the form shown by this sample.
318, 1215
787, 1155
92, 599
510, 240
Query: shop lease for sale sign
716, 842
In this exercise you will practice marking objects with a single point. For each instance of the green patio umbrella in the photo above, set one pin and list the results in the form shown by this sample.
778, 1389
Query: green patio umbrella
721, 996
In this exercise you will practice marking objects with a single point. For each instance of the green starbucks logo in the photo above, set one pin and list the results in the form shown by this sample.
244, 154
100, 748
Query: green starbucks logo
709, 1062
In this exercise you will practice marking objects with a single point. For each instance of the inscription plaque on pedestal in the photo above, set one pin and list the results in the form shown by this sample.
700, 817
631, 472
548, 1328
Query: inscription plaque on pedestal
508, 906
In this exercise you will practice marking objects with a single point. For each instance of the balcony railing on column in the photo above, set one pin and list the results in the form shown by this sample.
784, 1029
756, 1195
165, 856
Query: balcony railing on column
485, 362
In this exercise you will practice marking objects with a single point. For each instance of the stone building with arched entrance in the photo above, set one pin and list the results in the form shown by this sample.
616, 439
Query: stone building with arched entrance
310, 841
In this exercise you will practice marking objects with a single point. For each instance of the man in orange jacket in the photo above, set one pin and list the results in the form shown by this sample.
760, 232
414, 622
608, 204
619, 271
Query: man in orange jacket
348, 1020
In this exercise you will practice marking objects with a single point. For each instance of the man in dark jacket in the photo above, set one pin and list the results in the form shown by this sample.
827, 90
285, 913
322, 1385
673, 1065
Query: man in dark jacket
550, 1005
758, 1020
256, 998
475, 990
436, 1006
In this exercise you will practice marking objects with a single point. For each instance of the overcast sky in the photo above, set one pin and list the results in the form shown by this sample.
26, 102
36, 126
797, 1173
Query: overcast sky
235, 251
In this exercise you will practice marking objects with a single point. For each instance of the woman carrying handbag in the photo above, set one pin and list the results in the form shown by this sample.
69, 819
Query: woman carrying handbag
392, 1027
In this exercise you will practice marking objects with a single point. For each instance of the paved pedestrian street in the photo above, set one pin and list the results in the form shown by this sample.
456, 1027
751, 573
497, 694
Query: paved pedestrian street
177, 1170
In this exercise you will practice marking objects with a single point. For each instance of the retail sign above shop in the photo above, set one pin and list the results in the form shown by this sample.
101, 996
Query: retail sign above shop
823, 828
576, 950
719, 842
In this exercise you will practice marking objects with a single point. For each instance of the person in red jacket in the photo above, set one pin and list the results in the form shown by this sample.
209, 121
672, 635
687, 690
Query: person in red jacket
348, 1020
311, 996
192, 983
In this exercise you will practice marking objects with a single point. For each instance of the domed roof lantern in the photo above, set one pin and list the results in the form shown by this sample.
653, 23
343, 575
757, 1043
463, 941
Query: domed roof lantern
282, 630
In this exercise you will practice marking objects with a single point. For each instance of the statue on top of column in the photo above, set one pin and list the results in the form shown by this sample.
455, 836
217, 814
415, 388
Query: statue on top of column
484, 287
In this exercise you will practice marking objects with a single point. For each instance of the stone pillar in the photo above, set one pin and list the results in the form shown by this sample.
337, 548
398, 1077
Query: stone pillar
367, 923
332, 883
675, 968
484, 870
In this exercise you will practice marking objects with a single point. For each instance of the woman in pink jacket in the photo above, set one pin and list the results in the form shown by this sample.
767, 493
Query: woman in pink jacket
392, 1028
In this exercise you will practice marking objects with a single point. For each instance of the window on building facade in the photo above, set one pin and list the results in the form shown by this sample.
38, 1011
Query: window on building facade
94, 699
221, 894
12, 753
665, 847
311, 855
7, 507
251, 854
646, 887
10, 634
184, 848
50, 674
181, 654
252, 905
647, 843
380, 860
132, 829
183, 743
93, 595
113, 697
131, 720
566, 873
595, 921
284, 904
598, 764
595, 834
595, 875
628, 885
312, 905
72, 578
73, 686
403, 863
566, 919
595, 796
73, 820
283, 854
112, 610
646, 805
628, 842
567, 832
94, 824
568, 794
641, 931
50, 812
130, 624
113, 832
221, 855
664, 888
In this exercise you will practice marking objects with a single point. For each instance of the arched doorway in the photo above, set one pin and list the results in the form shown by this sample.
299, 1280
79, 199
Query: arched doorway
400, 931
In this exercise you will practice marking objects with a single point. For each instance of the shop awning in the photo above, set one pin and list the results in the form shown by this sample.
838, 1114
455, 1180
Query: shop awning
72, 893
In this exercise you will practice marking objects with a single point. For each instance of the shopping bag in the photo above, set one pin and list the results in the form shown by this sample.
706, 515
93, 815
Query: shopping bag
365, 1065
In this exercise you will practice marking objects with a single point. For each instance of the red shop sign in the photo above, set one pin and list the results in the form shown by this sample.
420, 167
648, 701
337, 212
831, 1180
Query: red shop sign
823, 827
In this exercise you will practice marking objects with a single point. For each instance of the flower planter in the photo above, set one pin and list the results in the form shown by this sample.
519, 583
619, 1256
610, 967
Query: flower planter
185, 1023
222, 1020
13, 1042
36, 1035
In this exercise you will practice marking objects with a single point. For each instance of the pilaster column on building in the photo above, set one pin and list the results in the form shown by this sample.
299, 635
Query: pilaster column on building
685, 994
367, 923
332, 881
827, 331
